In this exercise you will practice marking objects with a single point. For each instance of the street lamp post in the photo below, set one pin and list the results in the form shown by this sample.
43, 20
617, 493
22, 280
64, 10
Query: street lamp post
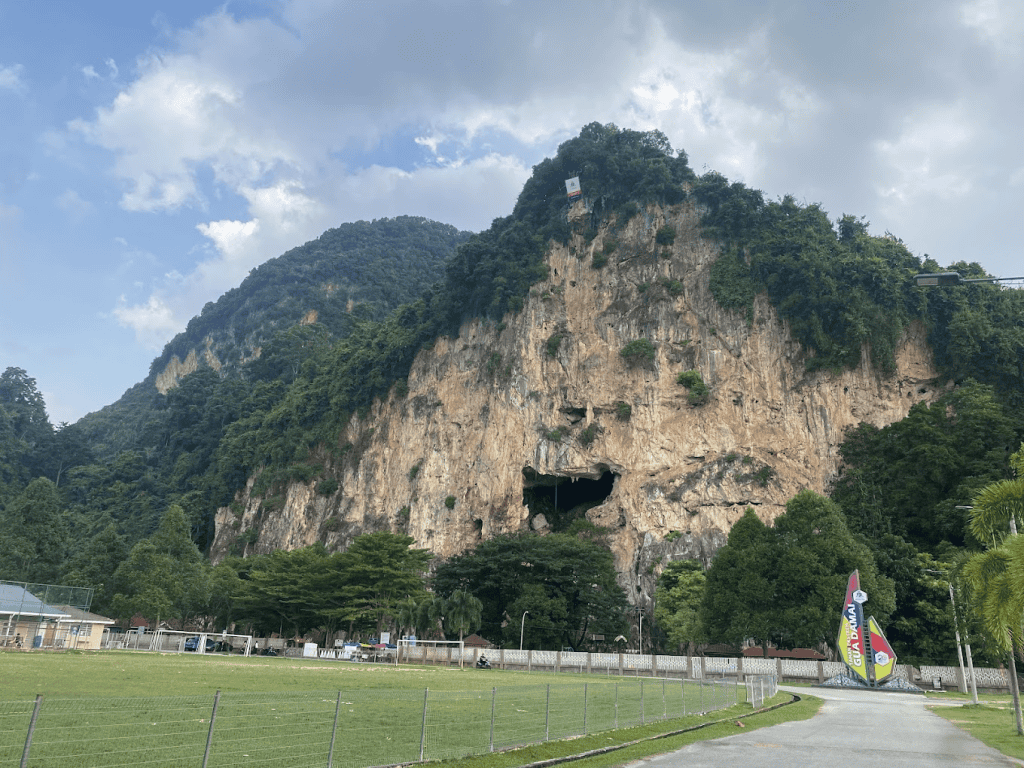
522, 629
929, 279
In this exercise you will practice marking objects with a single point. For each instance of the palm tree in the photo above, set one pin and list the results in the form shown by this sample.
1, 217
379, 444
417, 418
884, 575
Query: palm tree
996, 576
463, 612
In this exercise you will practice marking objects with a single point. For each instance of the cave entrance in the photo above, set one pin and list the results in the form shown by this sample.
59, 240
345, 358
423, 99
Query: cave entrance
564, 499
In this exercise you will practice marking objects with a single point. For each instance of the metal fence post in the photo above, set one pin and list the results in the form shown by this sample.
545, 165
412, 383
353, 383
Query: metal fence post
423, 728
642, 713
547, 715
493, 692
31, 730
209, 735
334, 732
682, 693
702, 694
584, 709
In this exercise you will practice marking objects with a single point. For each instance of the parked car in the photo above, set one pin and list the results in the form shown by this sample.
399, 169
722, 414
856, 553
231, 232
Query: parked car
192, 644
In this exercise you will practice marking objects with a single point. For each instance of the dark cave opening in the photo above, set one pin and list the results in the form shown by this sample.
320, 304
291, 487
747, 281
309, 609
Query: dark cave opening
564, 499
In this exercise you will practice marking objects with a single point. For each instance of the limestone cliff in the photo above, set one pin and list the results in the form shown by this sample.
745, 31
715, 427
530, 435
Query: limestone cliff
510, 425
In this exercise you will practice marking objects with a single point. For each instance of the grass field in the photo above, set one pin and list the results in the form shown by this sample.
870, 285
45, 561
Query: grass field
991, 721
111, 709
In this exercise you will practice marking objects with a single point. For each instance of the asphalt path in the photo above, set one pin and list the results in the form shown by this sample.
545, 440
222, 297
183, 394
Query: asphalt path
866, 729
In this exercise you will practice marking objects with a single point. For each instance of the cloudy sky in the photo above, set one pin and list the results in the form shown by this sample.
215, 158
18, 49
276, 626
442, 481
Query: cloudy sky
153, 152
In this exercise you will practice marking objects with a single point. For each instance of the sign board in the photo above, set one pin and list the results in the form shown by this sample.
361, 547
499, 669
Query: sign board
852, 632
572, 188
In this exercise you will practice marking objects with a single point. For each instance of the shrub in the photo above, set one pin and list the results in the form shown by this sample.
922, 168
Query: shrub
449, 502
415, 470
588, 435
493, 363
553, 342
610, 244
666, 235
763, 475
600, 260
623, 410
554, 435
327, 487
699, 391
674, 287
403, 514
638, 352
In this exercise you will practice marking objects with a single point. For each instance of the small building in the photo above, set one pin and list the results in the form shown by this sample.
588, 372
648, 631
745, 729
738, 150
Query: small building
80, 629
25, 620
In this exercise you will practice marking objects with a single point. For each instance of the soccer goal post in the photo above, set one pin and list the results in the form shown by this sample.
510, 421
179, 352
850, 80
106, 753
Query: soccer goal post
413, 650
178, 641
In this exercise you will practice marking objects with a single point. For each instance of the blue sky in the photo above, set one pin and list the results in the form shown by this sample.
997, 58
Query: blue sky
152, 153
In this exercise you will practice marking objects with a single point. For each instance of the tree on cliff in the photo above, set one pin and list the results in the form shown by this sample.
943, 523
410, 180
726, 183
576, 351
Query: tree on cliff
567, 584
784, 585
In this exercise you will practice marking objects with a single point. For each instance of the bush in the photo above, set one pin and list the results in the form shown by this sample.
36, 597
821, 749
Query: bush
674, 287
638, 352
415, 470
588, 435
449, 502
666, 235
699, 391
327, 487
599, 261
623, 410
553, 342
554, 435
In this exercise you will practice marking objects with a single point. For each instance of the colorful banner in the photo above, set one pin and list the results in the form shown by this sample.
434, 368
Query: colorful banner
851, 642
572, 188
882, 654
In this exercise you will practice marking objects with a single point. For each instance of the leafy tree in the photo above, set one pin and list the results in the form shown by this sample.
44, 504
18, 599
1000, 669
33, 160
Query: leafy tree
908, 478
784, 585
34, 535
567, 584
678, 599
164, 576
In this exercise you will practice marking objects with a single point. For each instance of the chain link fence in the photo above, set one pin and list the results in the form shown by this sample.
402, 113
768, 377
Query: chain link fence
760, 688
352, 729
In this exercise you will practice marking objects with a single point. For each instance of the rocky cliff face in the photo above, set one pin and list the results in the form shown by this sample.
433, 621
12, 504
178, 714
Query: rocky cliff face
539, 419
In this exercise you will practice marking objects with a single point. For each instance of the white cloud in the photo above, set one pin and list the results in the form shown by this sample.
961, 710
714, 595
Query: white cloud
72, 204
154, 322
11, 79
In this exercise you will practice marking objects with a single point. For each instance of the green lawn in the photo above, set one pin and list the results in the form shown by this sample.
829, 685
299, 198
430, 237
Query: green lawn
112, 709
991, 721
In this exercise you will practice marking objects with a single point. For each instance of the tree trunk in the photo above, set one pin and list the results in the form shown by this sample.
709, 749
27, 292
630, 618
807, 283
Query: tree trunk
1015, 690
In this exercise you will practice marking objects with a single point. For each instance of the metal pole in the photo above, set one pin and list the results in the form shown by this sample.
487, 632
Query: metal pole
423, 728
584, 709
682, 692
334, 732
664, 703
547, 715
642, 721
209, 735
493, 692
31, 730
522, 629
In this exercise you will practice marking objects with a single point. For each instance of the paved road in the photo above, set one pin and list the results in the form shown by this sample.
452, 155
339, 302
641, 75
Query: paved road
866, 729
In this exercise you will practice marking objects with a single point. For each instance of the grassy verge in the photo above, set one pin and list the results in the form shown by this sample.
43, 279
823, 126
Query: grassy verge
648, 737
989, 723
